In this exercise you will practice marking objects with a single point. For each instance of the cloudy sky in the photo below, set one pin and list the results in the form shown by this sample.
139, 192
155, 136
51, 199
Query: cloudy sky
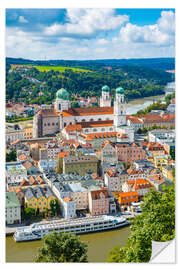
90, 33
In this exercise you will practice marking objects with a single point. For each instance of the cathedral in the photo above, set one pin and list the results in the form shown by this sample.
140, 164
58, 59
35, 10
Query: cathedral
60, 117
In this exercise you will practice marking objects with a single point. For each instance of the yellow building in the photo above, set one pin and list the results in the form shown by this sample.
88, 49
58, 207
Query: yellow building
80, 164
161, 161
38, 198
28, 132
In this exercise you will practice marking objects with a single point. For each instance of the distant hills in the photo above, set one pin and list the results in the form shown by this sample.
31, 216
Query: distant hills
153, 63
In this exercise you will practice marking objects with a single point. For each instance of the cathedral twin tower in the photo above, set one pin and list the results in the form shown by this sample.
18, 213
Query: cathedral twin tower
119, 104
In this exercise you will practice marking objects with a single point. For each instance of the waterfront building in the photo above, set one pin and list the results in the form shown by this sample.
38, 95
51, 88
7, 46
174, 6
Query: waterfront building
69, 208
80, 195
126, 198
164, 120
39, 198
99, 202
13, 209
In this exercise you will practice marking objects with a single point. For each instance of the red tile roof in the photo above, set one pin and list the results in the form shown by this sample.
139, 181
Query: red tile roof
88, 111
96, 194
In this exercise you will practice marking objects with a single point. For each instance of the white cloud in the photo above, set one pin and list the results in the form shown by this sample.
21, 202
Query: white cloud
166, 23
22, 20
102, 41
132, 41
161, 33
87, 22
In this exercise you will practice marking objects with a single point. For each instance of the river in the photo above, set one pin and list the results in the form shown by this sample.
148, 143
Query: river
99, 245
141, 103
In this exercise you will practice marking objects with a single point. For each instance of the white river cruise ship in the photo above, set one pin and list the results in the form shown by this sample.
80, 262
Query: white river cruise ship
77, 226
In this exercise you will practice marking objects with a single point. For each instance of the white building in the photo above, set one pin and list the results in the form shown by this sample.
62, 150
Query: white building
142, 186
80, 195
69, 208
114, 180
13, 208
161, 135
15, 173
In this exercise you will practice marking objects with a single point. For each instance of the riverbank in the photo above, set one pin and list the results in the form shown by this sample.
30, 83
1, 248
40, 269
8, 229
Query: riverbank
99, 245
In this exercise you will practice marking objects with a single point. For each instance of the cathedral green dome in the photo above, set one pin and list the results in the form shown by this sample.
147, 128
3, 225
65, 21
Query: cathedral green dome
105, 88
119, 90
62, 94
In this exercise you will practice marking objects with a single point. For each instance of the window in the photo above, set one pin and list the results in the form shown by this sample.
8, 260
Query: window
52, 124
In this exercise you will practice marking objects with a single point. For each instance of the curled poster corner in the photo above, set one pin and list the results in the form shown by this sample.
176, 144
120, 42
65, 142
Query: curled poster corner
163, 252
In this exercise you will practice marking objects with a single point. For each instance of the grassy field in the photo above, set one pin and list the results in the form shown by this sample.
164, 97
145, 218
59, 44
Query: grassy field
48, 68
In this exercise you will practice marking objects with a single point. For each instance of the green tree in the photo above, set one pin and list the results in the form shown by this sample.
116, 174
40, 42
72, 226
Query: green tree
157, 223
11, 156
172, 153
29, 213
75, 104
62, 247
53, 207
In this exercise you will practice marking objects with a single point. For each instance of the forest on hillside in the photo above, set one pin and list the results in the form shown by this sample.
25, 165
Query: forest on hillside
137, 81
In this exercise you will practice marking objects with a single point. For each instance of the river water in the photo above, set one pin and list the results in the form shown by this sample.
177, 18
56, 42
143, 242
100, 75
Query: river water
141, 103
99, 245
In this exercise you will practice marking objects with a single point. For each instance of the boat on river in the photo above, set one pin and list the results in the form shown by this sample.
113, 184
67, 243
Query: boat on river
77, 226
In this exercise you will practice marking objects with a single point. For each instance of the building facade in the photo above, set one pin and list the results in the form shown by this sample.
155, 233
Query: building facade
13, 208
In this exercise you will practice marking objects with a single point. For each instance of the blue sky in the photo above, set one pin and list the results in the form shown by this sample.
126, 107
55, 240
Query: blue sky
90, 33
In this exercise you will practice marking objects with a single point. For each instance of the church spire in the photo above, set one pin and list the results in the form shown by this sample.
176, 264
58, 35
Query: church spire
119, 108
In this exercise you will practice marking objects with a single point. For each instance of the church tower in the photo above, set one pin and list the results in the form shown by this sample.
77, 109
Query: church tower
105, 100
62, 100
119, 108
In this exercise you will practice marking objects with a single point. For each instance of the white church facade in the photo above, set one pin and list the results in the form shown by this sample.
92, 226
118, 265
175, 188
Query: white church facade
72, 121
